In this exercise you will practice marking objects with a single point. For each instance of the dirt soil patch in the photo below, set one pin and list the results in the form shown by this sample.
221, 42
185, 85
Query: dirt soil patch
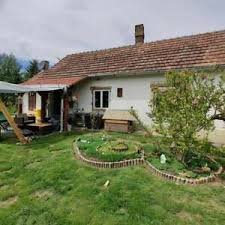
33, 165
8, 202
187, 217
43, 194
4, 187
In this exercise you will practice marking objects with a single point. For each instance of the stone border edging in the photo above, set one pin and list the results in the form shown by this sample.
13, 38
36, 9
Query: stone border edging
109, 165
181, 180
141, 161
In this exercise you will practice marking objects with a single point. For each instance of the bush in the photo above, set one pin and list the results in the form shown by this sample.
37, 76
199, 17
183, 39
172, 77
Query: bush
180, 109
222, 176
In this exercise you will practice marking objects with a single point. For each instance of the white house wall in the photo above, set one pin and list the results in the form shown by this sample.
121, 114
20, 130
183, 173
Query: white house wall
136, 93
26, 103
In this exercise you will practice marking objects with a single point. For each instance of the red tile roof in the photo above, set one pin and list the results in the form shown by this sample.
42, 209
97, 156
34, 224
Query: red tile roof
178, 53
40, 79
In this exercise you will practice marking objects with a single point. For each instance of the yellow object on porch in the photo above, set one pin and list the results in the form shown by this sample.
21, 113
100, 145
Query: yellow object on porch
38, 115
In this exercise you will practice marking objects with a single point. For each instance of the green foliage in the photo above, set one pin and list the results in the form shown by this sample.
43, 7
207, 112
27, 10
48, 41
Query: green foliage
140, 122
9, 69
198, 161
101, 147
32, 69
222, 176
192, 168
9, 72
180, 109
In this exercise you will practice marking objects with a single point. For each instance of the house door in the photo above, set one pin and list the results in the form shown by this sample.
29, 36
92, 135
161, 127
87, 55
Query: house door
56, 106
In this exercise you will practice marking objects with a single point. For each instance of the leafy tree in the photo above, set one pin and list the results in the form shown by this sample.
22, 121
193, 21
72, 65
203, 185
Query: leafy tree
9, 72
2, 56
32, 69
9, 69
186, 104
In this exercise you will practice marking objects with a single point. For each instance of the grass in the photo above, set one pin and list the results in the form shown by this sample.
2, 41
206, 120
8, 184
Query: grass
42, 184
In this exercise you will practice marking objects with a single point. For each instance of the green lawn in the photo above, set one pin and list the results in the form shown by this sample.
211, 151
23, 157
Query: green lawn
42, 184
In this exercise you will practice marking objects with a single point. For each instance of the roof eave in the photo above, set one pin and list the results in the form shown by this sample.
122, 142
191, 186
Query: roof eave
199, 68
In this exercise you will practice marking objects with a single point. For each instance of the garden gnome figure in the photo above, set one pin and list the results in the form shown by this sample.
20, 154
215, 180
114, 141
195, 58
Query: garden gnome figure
162, 159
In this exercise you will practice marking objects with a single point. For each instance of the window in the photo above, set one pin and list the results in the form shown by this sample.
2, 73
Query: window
119, 92
101, 99
32, 101
105, 99
97, 99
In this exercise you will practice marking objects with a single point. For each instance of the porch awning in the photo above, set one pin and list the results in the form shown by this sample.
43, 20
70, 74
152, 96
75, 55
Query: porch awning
44, 87
18, 88
12, 88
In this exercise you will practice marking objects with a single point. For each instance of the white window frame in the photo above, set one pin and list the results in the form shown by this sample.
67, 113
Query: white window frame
101, 98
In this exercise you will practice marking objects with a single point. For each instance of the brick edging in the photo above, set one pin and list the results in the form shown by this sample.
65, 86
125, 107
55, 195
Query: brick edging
181, 180
140, 161
109, 165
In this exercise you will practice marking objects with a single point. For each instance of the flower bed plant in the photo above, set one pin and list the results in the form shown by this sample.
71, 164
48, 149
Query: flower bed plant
108, 148
196, 167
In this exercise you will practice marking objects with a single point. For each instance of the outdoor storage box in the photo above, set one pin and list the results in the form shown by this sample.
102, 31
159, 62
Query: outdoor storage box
118, 120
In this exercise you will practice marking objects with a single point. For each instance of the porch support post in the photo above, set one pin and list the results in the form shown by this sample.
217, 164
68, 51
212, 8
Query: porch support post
61, 114
64, 111
44, 99
20, 103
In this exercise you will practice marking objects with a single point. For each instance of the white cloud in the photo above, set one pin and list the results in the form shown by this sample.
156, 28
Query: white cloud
50, 29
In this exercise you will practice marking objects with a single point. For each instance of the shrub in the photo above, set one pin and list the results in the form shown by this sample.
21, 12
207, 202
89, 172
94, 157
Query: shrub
180, 109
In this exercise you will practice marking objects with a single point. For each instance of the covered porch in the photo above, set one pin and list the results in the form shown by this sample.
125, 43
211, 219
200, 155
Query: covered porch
44, 108
49, 101
50, 114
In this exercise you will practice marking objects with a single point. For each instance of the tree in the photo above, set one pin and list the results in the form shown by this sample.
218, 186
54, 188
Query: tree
9, 72
2, 56
9, 69
186, 104
32, 69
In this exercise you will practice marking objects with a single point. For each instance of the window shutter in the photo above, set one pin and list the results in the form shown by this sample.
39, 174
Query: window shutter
119, 92
32, 101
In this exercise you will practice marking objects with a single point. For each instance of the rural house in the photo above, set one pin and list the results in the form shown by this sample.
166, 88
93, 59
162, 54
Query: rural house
118, 78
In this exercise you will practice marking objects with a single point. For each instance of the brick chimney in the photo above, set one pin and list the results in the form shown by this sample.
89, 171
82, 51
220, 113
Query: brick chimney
139, 34
44, 65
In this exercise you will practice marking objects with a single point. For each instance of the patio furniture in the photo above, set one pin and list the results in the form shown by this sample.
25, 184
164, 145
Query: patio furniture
87, 120
12, 123
4, 125
24, 119
40, 128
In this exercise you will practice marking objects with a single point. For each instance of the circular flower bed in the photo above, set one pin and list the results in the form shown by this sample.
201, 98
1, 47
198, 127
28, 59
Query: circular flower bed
108, 148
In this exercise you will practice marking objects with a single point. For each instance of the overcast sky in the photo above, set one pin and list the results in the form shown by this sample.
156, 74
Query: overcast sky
50, 29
